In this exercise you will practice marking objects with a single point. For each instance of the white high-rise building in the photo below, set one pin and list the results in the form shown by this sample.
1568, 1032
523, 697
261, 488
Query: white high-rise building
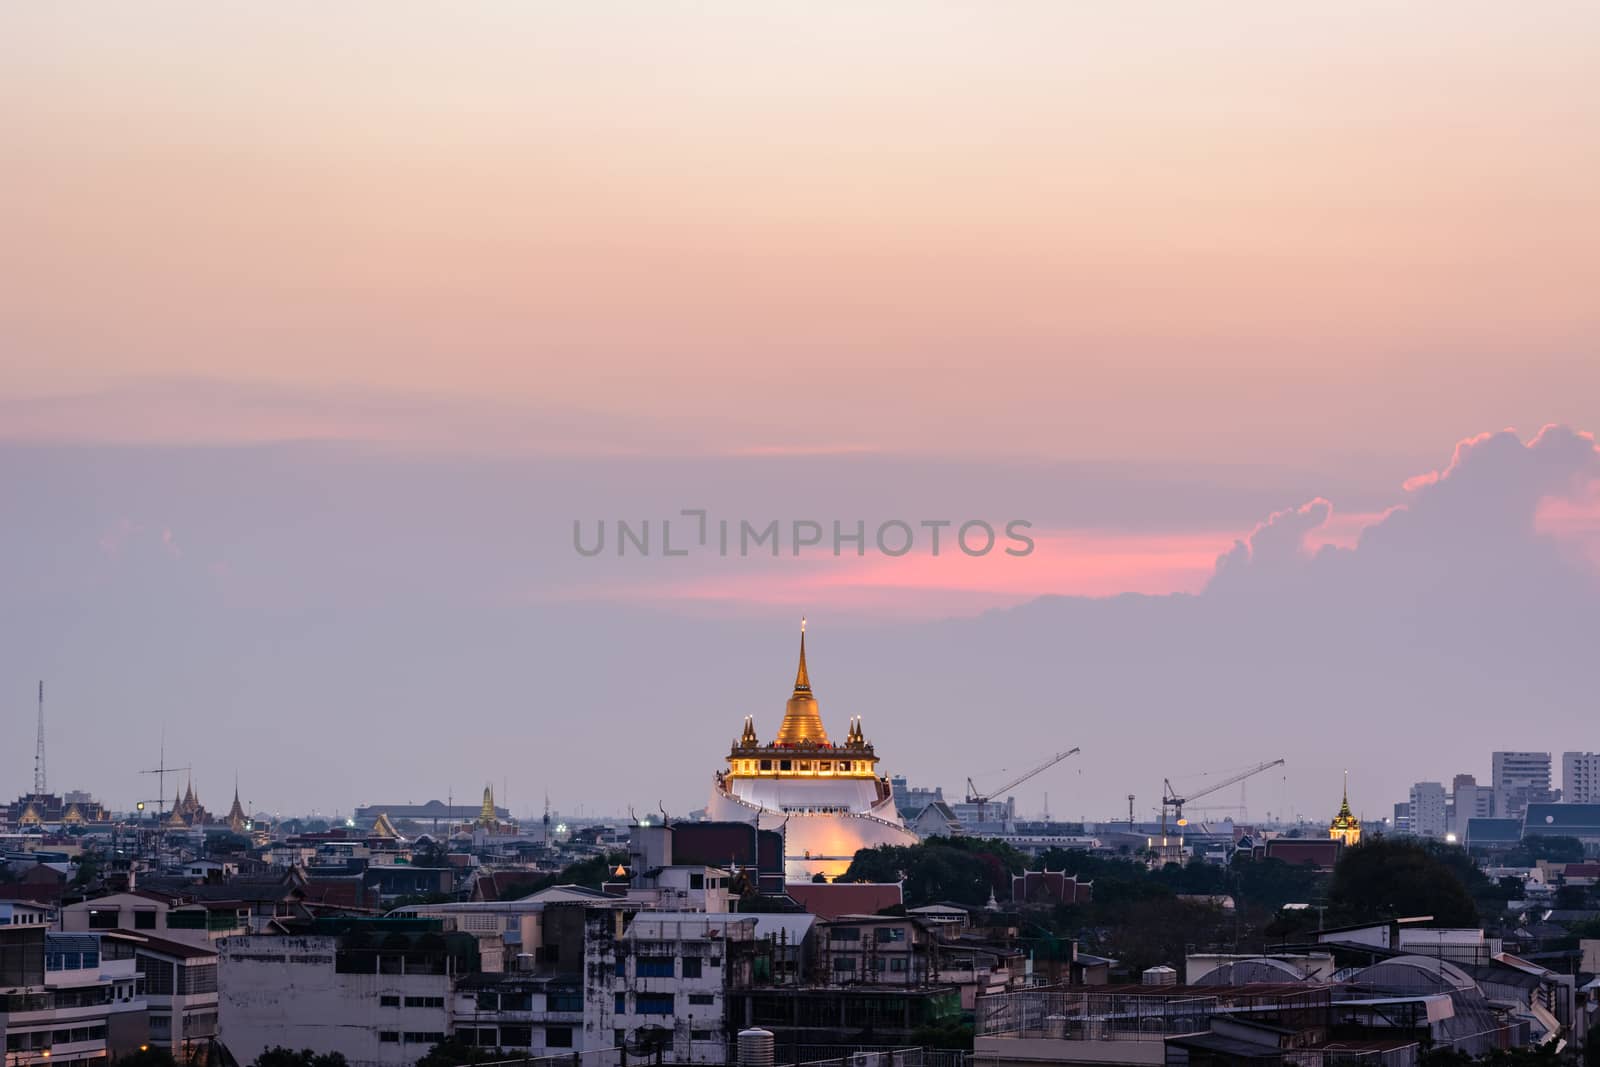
1580, 777
1427, 809
1520, 778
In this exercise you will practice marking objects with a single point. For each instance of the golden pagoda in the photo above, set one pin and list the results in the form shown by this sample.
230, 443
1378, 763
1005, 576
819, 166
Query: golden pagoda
802, 722
1345, 826
825, 797
237, 820
802, 748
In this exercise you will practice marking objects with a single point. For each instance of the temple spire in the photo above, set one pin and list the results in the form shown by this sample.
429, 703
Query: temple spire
802, 680
802, 724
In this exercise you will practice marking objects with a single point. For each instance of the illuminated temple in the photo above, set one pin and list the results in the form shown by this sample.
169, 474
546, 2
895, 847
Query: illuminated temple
827, 799
1345, 826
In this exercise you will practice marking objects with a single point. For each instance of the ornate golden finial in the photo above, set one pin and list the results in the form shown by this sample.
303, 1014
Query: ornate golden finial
802, 680
802, 724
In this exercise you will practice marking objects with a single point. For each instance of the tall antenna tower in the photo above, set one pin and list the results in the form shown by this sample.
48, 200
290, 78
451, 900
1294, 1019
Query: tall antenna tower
38, 749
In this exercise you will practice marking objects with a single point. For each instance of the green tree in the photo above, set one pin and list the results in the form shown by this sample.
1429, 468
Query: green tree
1391, 878
149, 1056
453, 1052
1572, 897
278, 1056
960, 869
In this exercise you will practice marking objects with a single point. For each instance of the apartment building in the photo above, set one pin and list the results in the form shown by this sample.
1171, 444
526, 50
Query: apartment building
68, 1000
1520, 779
1580, 777
379, 991
1428, 810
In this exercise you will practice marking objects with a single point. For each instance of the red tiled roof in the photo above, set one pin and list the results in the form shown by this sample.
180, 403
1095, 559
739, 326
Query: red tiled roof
829, 900
34, 893
173, 948
336, 894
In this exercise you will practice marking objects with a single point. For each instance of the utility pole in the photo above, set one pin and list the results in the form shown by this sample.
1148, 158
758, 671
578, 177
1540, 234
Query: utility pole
38, 749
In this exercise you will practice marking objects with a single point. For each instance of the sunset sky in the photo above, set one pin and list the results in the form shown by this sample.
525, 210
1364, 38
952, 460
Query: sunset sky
320, 321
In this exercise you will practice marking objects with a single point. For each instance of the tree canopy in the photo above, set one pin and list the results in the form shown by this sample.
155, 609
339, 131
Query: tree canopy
1389, 878
278, 1056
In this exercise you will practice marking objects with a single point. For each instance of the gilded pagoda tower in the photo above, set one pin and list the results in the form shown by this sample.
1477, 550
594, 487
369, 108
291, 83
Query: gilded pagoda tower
1345, 826
827, 798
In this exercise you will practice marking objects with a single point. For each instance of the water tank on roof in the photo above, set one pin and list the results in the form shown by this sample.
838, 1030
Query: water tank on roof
756, 1047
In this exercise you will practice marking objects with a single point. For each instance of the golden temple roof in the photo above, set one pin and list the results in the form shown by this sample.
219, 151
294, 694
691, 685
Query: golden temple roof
802, 721
1345, 819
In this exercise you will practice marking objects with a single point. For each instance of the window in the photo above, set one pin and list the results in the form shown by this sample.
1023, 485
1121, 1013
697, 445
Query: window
558, 1037
389, 1000
702, 1035
424, 1002
389, 1037
844, 765
702, 998
516, 1001
898, 963
697, 881
880, 964
846, 933
766, 765
785, 765
103, 918
144, 919
621, 1006
825, 765
564, 1000
888, 935
844, 964
653, 1003
423, 1037
198, 978
691, 966
158, 976
516, 1036
488, 1002
616, 1038
622, 966
654, 967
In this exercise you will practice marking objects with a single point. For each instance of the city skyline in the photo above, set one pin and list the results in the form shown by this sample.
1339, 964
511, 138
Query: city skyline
309, 378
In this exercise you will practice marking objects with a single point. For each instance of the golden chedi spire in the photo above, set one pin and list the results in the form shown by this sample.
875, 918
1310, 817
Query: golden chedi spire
1345, 826
802, 722
486, 816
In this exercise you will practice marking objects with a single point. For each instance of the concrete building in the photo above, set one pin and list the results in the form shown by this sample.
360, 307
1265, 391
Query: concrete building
25, 913
525, 1014
1468, 801
68, 1000
662, 983
1520, 779
1580, 777
1565, 820
379, 991
1427, 810
180, 988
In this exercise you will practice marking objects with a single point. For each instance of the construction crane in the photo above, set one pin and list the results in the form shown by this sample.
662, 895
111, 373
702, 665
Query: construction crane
982, 799
1171, 800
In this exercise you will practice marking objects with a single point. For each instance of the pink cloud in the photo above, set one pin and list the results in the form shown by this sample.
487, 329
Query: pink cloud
1063, 563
